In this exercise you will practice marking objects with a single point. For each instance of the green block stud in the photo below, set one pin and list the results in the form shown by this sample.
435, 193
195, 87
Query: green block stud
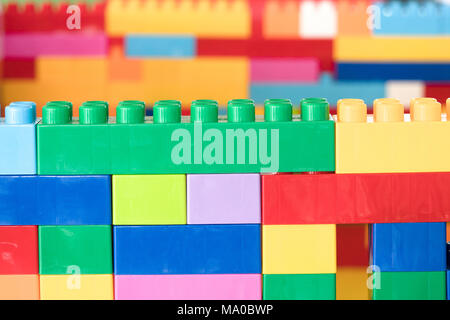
299, 286
278, 110
149, 199
75, 250
408, 285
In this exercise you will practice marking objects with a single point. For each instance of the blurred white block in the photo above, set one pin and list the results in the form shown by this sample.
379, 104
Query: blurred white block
318, 19
405, 90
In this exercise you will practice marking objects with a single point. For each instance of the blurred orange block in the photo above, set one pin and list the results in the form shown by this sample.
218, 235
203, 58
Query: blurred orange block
281, 19
352, 17
19, 287
121, 68
351, 283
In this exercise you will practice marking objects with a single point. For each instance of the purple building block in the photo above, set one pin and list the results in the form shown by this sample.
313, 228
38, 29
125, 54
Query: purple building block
223, 198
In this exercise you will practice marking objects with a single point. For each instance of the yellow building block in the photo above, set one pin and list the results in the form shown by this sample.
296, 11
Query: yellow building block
221, 79
77, 287
393, 146
404, 49
351, 283
205, 18
299, 249
79, 70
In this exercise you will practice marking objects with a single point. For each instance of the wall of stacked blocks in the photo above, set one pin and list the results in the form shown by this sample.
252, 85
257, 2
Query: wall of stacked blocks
92, 205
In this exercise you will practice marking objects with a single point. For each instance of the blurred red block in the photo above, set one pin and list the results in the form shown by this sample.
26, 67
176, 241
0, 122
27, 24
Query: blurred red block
23, 68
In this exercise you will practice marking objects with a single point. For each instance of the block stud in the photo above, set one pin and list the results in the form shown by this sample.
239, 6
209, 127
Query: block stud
33, 104
351, 110
56, 114
385, 100
130, 112
204, 111
388, 111
93, 113
314, 109
241, 110
20, 114
413, 103
277, 110
425, 110
167, 111
64, 103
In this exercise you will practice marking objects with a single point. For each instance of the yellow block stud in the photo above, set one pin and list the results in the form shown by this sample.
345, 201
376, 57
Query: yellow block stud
413, 102
351, 110
76, 287
426, 111
149, 199
387, 111
299, 249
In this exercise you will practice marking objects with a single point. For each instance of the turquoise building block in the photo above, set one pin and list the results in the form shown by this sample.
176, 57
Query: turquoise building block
411, 18
18, 139
163, 46
327, 88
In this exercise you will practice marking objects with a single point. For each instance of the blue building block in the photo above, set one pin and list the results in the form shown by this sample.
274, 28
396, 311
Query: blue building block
187, 249
162, 46
410, 18
327, 88
18, 139
393, 71
55, 200
409, 246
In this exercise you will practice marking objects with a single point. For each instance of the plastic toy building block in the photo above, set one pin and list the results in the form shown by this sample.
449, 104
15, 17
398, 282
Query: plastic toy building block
352, 17
19, 287
318, 19
351, 283
55, 200
326, 87
321, 49
121, 68
438, 90
47, 17
77, 287
404, 90
352, 245
391, 143
411, 18
149, 199
220, 19
182, 146
355, 198
280, 19
223, 198
391, 49
75, 250
38, 44
188, 287
18, 139
284, 70
19, 68
408, 246
409, 286
18, 250
160, 46
189, 249
299, 287
299, 249
393, 71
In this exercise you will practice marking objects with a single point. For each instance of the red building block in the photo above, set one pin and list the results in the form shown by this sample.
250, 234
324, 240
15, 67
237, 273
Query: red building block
440, 91
19, 250
23, 68
355, 198
352, 244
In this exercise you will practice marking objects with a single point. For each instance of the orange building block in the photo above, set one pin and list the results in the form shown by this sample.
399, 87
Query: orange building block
19, 287
353, 17
122, 69
281, 19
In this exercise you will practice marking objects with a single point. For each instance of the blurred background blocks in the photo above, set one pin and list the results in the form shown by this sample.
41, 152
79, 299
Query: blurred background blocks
160, 46
149, 199
223, 198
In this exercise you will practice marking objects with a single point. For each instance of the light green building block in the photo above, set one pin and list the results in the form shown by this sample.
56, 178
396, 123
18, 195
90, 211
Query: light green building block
149, 199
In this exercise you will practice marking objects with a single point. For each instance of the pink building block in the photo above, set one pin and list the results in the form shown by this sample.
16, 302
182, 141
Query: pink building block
188, 287
30, 45
284, 70
223, 198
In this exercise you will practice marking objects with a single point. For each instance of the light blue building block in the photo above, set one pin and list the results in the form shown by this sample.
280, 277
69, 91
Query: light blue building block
18, 139
327, 88
412, 18
161, 46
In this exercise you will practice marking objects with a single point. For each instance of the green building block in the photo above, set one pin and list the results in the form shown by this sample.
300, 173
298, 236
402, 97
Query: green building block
299, 286
177, 145
409, 286
75, 249
149, 199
